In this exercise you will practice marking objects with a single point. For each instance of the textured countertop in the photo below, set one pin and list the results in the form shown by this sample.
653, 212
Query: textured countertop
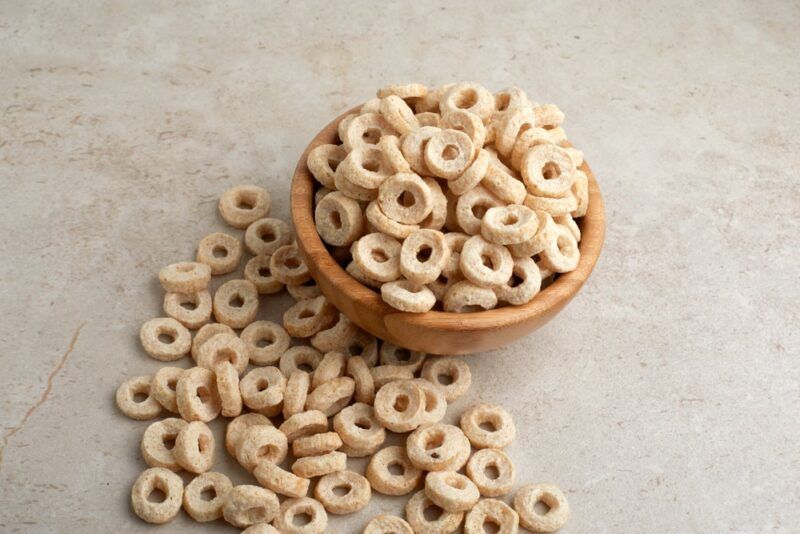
664, 398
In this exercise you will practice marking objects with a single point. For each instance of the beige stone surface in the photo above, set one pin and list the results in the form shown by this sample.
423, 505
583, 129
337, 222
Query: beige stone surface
665, 398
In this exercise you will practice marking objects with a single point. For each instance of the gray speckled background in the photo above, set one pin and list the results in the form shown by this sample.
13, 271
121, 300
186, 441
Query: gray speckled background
665, 398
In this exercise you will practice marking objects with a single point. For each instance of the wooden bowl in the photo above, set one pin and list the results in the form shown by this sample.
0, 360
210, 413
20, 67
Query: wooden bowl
435, 332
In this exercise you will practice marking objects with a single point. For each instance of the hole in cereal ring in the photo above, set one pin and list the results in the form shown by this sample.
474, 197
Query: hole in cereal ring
503, 100
172, 383
403, 355
444, 379
157, 496
510, 218
292, 263
432, 513
550, 171
189, 305
524, 128
169, 442
490, 526
406, 199
267, 235
342, 489
262, 384
478, 211
208, 494
541, 508
371, 165
265, 340
204, 395
236, 301
166, 338
363, 424
371, 136
355, 349
466, 98
333, 163
401, 403
202, 443
396, 468
424, 253
224, 354
491, 472
256, 514
219, 251
450, 152
140, 396
515, 280
434, 442
305, 367
306, 314
487, 261
488, 426
336, 219
268, 451
549, 127
264, 272
301, 519
457, 483
379, 255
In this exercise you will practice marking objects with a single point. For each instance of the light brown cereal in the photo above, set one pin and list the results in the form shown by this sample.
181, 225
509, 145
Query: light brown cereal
339, 219
365, 168
385, 224
545, 229
306, 506
358, 369
332, 366
509, 128
244, 204
378, 257
499, 431
468, 96
162, 387
390, 146
430, 102
237, 426
272, 477
399, 406
391, 354
548, 116
510, 98
206, 332
307, 317
267, 235
408, 296
262, 390
228, 389
464, 296
523, 285
506, 225
412, 145
373, 105
335, 337
499, 181
484, 263
365, 130
448, 153
547, 171
199, 508
553, 206
344, 124
423, 255
527, 140
444, 523
258, 271
320, 194
561, 253
356, 192
317, 444
287, 266
294, 397
435, 402
472, 176
356, 496
452, 374
404, 91
261, 443
265, 341
438, 447
304, 424
331, 396
236, 303
569, 223
156, 442
491, 512
307, 290
580, 190
317, 466
492, 472
365, 345
185, 277
466, 122
397, 113
221, 252
359, 429
450, 491
248, 505
405, 198
223, 348
429, 119
323, 160
391, 472
135, 400
455, 242
438, 215
440, 286
472, 205
165, 481
194, 447
260, 528
300, 358
192, 310
383, 374
525, 504
387, 524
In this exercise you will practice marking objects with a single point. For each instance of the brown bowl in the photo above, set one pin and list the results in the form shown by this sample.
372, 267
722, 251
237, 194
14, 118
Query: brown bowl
435, 332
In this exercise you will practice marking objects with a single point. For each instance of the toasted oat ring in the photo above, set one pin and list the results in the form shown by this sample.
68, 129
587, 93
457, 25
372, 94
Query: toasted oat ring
484, 263
440, 286
257, 271
236, 303
553, 206
451, 374
575, 155
304, 424
491, 512
549, 116
167, 482
267, 235
228, 388
387, 524
547, 171
197, 395
300, 358
383, 374
185, 277
147, 408
224, 348
332, 396
525, 504
391, 354
445, 523
450, 491
390, 146
468, 96
438, 215
206, 332
580, 190
373, 105
322, 162
507, 225
288, 267
464, 296
364, 385
430, 102
177, 341
383, 480
387, 225
378, 256
248, 505
262, 390
320, 465
364, 345
502, 429
405, 198
335, 337
429, 119
357, 492
527, 140
365, 167
404, 91
339, 219
272, 477
332, 366
244, 204
317, 444
307, 290
523, 285
221, 252
235, 429
412, 145
408, 296
448, 153
260, 528
200, 509
356, 192
480, 466
294, 397
435, 401
359, 429
192, 310
399, 406
438, 447
291, 508
320, 194
466, 122
265, 341
499, 182
261, 443
423, 255
473, 175
561, 253
544, 231
307, 317
344, 124
510, 98
364, 131
155, 441
194, 447
397, 113
514, 123
472, 205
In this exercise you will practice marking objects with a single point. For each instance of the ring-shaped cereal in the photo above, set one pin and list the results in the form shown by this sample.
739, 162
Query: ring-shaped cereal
364, 385
575, 155
248, 505
378, 257
267, 235
390, 146
224, 348
299, 358
230, 397
445, 522
307, 317
580, 190
165, 481
386, 225
501, 430
383, 374
197, 396
365, 167
317, 444
194, 447
547, 171
185, 277
561, 253
339, 219
335, 337
192, 310
261, 443
438, 215
387, 524
332, 396
320, 194
412, 145
273, 477
471, 177
491, 512
291, 508
399, 406
390, 472
429, 119
404, 91
262, 390
468, 96
322, 162
397, 113
177, 341
451, 491
356, 192
141, 410
430, 102
365, 130
391, 354
472, 205
525, 504
296, 393
265, 341
236, 303
206, 332
244, 204
527, 140
435, 401
307, 290
373, 105
237, 426
545, 229
365, 345
333, 365
466, 122
524, 283
507, 225
288, 267
484, 263
408, 296
499, 182
464, 296
221, 252
549, 116
509, 128
451, 374
157, 438
569, 223
260, 528
200, 509
448, 153
423, 255
304, 424
359, 428
356, 496
405, 198
496, 463
553, 206
438, 447
344, 124
257, 270
320, 465
511, 98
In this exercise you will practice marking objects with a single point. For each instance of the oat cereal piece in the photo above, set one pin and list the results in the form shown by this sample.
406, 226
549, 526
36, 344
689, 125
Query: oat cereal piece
444, 523
238, 425
472, 205
387, 524
192, 310
547, 171
509, 128
320, 194
165, 481
206, 332
408, 296
365, 168
413, 144
404, 91
322, 162
398, 114
209, 483
501, 429
391, 472
248, 505
130, 390
466, 122
307, 317
267, 235
344, 124
359, 429
580, 190
468, 96
257, 271
317, 444
440, 286
336, 337
450, 491
221, 252
523, 285
350, 189
194, 447
261, 443
448, 153
399, 406
438, 447
300, 358
390, 146
273, 477
502, 184
492, 472
507, 225
548, 116
185, 277
546, 228
332, 396
378, 257
430, 102
265, 341
365, 130
156, 441
365, 345
491, 512
575, 155
339, 219
373, 105
553, 206
262, 390
294, 397
452, 374
236, 303
527, 140
223, 348
391, 354
429, 119
386, 225
464, 296
557, 135
423, 255
306, 506
358, 369
438, 215
228, 389
472, 176
317, 466
455, 242
525, 504
561, 253
484, 263
244, 204
333, 365
356, 496
307, 290
288, 267
569, 223
435, 402
304, 424
260, 528
510, 99
405, 198
383, 374
162, 387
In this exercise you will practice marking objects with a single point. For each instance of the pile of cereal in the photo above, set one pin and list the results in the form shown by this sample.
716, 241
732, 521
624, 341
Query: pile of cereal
451, 194
304, 397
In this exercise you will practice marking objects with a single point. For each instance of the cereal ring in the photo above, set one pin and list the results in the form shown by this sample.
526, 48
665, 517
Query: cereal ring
157, 479
364, 131
192, 310
335, 337
356, 192
197, 395
236, 303
378, 257
390, 146
397, 113
185, 277
300, 358
206, 332
451, 374
307, 290
265, 341
262, 390
527, 140
391, 354
364, 385
580, 190
405, 198
339, 219
288, 267
365, 168
373, 105
304, 424
500, 431
412, 145
391, 472
438, 215
464, 296
510, 98
429, 119
407, 296
223, 348
359, 429
485, 264
260, 528
194, 447
331, 396
320, 194
292, 508
503, 184
444, 523
472, 205
524, 284
451, 491
491, 512
547, 171
322, 162
316, 444
430, 102
272, 477
165, 339
248, 505
549, 116
492, 472
307, 317
553, 206
364, 345
261, 443
332, 366
575, 155
383, 374
423, 255
238, 425
257, 271
557, 135
244, 204
507, 225
197, 505
561, 253
440, 286
448, 153
553, 519
317, 466
466, 122
468, 96
228, 389
399, 406
546, 228
294, 397
385, 224
435, 401
267, 235
514, 123
472, 176
404, 91
344, 124
221, 252
387, 524
135, 400
356, 496
158, 443
438, 447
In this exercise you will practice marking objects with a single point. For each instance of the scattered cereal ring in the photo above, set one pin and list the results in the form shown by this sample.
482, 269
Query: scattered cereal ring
422, 256
192, 310
156, 442
510, 99
147, 407
261, 443
444, 523
332, 366
397, 113
262, 390
317, 466
390, 146
548, 116
435, 401
247, 505
527, 140
438, 447
257, 271
339, 219
413, 148
358, 428
391, 354
206, 332
322, 162
378, 256
304, 424
210, 483
238, 425
492, 472
561, 253
580, 190
317, 444
197, 395
267, 235
502, 184
405, 198
165, 481
228, 389
484, 263
236, 303
553, 206
471, 206
523, 285
508, 129
506, 225
438, 215
383, 374
194, 447
450, 491
272, 477
221, 252
391, 472
364, 131
451, 374
466, 122
356, 496
364, 345
547, 171
288, 267
365, 167
525, 504
296, 393
300, 358
307, 290
464, 296
335, 337
244, 204
448, 153
404, 91
501, 429
468, 96
408, 296
331, 396
291, 508
491, 512
399, 406
387, 524
307, 317
223, 348
185, 277
165, 339
358, 369
265, 341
